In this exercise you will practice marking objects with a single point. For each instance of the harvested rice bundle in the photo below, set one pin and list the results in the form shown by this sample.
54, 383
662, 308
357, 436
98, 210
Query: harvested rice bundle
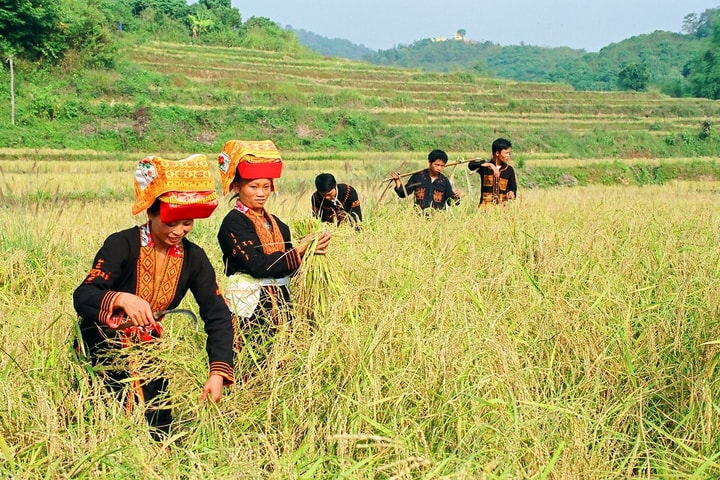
319, 279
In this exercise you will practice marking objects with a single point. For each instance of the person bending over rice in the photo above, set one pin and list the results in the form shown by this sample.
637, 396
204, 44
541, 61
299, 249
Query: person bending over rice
148, 269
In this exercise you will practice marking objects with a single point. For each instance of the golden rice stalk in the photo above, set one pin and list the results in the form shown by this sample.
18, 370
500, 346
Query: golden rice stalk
319, 280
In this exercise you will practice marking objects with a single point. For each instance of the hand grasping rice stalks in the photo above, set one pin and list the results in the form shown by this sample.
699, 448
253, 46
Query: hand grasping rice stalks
319, 279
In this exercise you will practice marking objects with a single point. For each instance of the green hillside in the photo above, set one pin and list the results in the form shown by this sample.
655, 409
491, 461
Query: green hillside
180, 98
663, 54
659, 60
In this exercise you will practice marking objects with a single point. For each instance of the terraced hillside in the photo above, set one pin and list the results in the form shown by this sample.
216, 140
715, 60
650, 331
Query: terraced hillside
183, 98
457, 109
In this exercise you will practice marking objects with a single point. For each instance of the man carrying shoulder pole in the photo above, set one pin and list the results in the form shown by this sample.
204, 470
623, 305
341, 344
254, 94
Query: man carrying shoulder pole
429, 186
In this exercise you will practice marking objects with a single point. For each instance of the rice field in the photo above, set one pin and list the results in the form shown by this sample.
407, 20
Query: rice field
570, 335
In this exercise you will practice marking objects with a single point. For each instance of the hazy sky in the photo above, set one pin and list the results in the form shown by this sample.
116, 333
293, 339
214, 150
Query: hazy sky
383, 24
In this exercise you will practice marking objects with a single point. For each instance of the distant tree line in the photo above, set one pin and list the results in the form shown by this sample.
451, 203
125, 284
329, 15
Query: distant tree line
85, 33
677, 64
335, 47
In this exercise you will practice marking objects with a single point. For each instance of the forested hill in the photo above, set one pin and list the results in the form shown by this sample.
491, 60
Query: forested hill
659, 60
332, 47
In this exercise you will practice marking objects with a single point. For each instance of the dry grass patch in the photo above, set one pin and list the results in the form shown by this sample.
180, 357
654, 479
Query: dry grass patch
571, 334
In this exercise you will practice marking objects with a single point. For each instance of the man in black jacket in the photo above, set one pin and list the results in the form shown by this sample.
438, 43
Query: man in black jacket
430, 187
333, 202
498, 177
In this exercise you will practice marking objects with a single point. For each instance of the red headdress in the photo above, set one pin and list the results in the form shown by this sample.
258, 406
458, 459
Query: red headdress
185, 187
250, 159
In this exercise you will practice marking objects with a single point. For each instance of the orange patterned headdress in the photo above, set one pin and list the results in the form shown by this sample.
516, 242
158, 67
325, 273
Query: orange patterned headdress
185, 187
250, 159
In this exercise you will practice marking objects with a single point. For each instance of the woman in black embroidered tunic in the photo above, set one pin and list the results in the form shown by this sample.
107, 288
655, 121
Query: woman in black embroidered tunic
147, 269
257, 251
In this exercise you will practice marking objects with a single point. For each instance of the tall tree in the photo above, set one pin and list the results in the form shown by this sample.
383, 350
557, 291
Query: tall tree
633, 77
690, 23
199, 24
222, 13
31, 28
87, 32
177, 9
213, 4
701, 26
703, 72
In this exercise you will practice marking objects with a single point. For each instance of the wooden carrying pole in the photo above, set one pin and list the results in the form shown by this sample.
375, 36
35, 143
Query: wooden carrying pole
452, 164
387, 187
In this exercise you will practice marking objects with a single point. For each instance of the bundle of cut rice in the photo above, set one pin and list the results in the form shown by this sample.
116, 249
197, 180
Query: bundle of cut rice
319, 280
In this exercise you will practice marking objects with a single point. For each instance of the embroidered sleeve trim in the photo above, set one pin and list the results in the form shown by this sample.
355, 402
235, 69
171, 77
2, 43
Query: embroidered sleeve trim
293, 260
224, 370
107, 305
